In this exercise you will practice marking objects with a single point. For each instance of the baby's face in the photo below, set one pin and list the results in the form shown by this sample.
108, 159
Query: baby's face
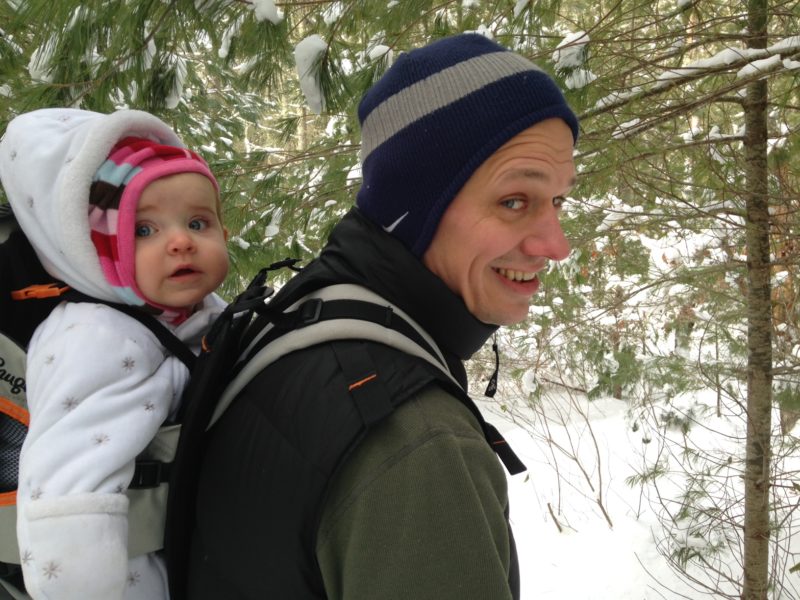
181, 255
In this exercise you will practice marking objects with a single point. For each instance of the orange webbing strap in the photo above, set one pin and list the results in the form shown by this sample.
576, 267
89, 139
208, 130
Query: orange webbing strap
47, 290
16, 412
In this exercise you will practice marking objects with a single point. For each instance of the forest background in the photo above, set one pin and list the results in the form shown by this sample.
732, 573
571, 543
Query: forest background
680, 296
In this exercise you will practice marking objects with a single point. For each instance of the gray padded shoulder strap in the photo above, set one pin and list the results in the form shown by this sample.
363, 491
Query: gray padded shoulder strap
326, 331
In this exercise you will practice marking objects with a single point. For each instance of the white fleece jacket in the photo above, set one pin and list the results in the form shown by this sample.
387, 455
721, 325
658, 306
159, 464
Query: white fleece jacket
99, 383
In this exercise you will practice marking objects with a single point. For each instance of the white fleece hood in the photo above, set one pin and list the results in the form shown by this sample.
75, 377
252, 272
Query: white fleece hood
47, 160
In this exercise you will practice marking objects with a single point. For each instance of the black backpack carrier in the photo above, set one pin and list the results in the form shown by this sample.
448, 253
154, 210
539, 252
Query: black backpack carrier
344, 315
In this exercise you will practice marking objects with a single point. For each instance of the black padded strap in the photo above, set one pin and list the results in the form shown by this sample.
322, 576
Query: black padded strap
316, 310
356, 368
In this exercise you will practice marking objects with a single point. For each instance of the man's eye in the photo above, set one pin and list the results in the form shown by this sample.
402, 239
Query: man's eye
513, 203
144, 230
558, 201
198, 224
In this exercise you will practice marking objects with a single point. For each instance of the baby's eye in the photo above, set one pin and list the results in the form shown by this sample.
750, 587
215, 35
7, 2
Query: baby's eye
198, 224
144, 230
513, 203
558, 201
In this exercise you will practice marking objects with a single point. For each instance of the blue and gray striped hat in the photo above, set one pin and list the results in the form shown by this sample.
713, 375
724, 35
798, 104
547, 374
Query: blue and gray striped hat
434, 117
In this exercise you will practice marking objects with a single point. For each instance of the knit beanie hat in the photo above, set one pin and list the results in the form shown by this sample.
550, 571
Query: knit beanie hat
434, 117
114, 195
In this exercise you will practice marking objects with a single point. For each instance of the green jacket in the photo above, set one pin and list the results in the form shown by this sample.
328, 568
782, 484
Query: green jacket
430, 468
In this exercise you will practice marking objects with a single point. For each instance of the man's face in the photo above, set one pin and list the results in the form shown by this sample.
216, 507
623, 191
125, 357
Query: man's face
503, 226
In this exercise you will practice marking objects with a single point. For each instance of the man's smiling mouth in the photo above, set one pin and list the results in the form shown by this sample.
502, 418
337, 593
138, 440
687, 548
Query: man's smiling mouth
515, 275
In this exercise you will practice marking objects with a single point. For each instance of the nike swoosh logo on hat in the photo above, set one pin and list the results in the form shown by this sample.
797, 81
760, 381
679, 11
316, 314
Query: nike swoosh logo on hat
394, 225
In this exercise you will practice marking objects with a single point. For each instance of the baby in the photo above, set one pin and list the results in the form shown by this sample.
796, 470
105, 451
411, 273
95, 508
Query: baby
119, 210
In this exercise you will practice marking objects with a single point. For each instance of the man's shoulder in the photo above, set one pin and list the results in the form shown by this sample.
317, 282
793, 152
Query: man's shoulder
434, 411
432, 415
433, 439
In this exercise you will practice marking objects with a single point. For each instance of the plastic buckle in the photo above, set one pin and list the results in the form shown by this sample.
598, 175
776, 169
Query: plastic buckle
310, 310
148, 474
46, 290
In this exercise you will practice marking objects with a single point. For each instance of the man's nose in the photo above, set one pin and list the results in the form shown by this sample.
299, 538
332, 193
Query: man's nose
546, 238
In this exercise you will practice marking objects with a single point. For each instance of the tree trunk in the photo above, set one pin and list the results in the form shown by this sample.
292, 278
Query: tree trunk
759, 330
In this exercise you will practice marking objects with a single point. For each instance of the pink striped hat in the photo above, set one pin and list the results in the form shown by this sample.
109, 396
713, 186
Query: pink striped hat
117, 185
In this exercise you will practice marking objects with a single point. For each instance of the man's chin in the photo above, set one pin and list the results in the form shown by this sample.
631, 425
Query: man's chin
503, 318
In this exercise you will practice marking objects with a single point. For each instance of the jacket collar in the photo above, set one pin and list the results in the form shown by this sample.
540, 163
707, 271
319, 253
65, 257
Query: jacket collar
360, 252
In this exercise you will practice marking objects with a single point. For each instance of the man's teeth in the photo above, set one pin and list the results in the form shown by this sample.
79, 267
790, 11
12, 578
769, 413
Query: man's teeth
516, 275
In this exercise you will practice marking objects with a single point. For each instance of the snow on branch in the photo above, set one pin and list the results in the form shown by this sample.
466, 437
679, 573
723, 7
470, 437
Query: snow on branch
307, 55
266, 10
749, 62
569, 58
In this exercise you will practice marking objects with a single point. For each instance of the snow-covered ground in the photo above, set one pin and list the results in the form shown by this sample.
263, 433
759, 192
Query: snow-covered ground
607, 553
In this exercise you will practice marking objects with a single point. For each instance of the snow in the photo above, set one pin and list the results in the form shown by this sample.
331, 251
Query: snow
306, 56
579, 78
149, 52
790, 64
244, 245
39, 65
760, 66
571, 51
789, 44
227, 37
624, 129
616, 98
175, 94
354, 174
381, 51
483, 30
598, 553
265, 10
520, 6
332, 13
274, 226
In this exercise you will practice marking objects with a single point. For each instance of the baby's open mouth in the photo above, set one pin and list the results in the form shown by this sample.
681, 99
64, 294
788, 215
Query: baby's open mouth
183, 271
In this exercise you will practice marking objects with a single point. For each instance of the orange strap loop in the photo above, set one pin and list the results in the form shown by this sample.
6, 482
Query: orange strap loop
47, 290
15, 411
358, 384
